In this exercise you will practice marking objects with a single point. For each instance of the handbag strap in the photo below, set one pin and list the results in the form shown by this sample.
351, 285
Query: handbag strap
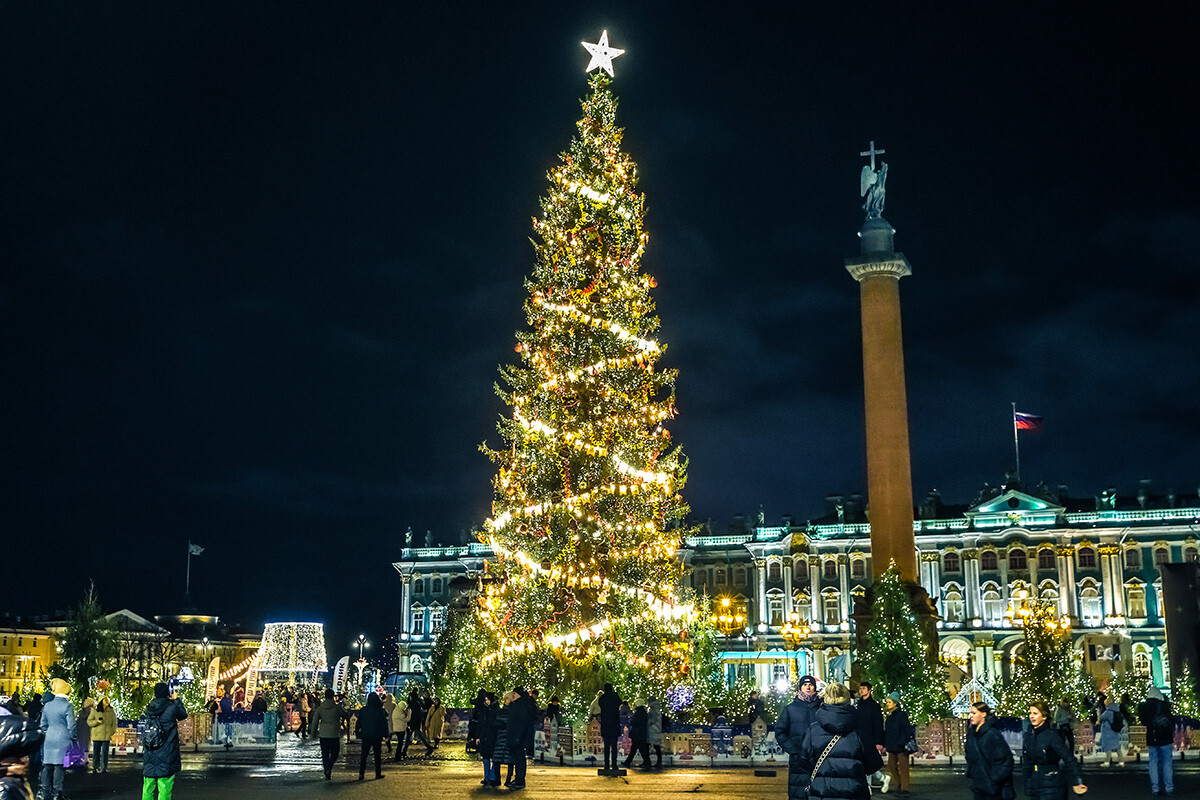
821, 760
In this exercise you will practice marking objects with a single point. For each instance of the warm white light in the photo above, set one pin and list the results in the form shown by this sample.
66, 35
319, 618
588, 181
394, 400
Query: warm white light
602, 54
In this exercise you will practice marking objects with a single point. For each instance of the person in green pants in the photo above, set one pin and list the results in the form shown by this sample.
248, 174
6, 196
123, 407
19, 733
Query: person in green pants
160, 761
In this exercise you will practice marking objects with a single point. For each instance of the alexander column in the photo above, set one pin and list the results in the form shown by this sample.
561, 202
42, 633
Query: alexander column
889, 474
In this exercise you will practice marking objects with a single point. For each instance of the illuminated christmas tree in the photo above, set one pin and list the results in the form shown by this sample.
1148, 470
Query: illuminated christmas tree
1044, 668
1183, 698
896, 658
587, 511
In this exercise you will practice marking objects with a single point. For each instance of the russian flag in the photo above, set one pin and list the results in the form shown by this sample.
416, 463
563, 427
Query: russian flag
1027, 422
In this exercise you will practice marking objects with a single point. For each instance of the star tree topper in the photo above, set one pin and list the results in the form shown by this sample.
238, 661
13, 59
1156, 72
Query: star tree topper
602, 54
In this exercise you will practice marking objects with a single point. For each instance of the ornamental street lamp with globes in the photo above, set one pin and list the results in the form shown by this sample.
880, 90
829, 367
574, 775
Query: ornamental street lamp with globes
362, 643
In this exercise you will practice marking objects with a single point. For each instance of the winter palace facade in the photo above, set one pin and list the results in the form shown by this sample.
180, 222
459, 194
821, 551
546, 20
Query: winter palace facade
787, 591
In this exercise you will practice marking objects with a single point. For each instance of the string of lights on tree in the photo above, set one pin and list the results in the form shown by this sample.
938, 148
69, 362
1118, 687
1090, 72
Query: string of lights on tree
587, 513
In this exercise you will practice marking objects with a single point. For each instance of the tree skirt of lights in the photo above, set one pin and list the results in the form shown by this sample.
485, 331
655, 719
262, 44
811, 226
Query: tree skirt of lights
292, 648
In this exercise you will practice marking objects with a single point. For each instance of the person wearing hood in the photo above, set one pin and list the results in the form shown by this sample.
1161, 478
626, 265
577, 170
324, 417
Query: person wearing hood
897, 731
1045, 759
833, 757
372, 727
83, 734
1155, 714
58, 729
435, 723
400, 716
654, 726
639, 734
989, 758
161, 764
609, 704
790, 730
327, 727
103, 722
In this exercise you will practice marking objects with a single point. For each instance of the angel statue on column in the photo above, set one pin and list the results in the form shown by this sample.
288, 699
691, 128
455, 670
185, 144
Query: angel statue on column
871, 187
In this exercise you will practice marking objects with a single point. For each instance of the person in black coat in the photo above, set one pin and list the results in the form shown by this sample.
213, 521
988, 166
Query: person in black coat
989, 758
870, 722
485, 741
161, 764
520, 731
897, 730
832, 755
372, 728
477, 705
755, 707
790, 730
610, 724
1046, 759
639, 734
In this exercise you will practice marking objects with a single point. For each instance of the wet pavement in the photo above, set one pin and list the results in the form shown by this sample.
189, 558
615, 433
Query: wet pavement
294, 770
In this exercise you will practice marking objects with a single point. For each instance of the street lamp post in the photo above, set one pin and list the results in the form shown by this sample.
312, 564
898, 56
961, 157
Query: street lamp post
362, 643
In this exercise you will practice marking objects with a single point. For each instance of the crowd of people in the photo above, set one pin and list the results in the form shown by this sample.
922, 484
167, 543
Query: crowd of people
837, 749
36, 737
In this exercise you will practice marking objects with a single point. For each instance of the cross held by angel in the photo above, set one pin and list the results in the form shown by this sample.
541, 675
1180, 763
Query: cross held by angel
871, 184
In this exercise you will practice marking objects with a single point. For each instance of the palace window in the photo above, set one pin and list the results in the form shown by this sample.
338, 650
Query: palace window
699, 575
1087, 558
437, 586
1190, 554
1017, 560
774, 571
1141, 663
775, 607
803, 605
988, 560
951, 562
833, 609
437, 619
830, 569
720, 574
417, 663
993, 608
858, 568
418, 621
1046, 558
1089, 606
1161, 556
1135, 598
418, 586
739, 576
801, 569
1133, 558
953, 604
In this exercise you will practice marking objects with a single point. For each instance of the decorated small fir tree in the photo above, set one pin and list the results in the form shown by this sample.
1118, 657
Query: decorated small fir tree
1045, 667
896, 658
1184, 695
586, 520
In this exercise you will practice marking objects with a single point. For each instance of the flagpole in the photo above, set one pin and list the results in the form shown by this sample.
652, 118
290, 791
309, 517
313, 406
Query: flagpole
1016, 443
187, 589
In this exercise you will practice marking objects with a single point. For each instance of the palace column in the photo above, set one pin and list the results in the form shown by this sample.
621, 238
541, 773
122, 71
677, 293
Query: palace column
1068, 602
970, 565
787, 565
814, 583
760, 572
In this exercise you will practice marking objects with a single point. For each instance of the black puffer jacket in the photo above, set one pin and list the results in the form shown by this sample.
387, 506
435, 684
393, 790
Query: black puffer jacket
163, 762
897, 730
502, 753
639, 726
843, 773
1049, 765
372, 720
989, 760
19, 737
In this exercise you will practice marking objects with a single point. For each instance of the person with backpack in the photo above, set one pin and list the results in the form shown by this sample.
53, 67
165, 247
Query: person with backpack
160, 743
1112, 722
1155, 714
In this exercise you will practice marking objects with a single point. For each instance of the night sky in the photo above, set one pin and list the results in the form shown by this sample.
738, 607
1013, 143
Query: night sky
261, 261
